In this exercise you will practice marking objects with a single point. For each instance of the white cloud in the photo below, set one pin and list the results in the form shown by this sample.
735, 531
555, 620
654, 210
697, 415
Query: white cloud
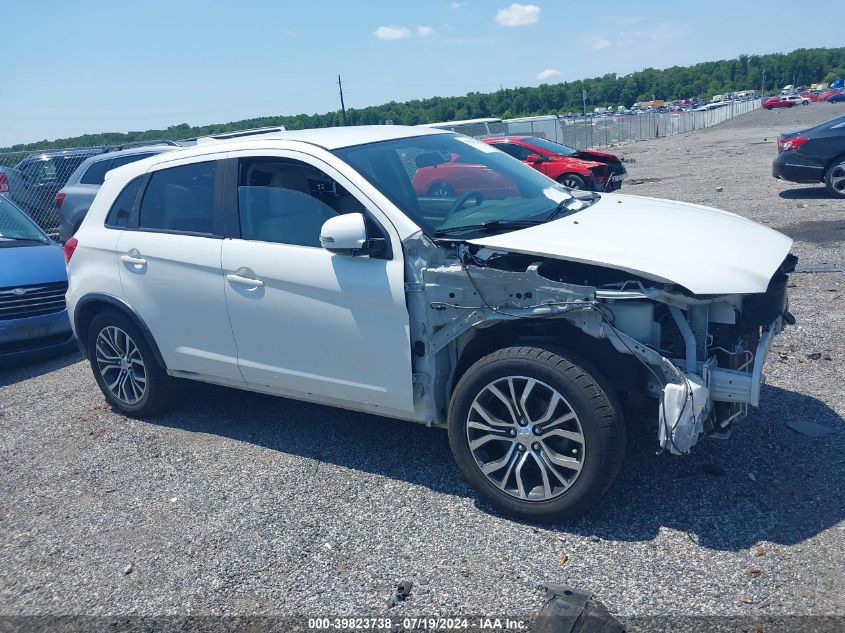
518, 15
601, 43
457, 5
549, 73
392, 32
425, 31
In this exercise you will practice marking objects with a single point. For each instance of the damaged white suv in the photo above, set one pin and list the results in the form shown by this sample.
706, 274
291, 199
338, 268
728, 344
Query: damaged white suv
324, 265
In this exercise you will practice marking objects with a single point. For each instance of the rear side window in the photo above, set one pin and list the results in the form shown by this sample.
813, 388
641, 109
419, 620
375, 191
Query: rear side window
125, 160
180, 199
96, 173
118, 217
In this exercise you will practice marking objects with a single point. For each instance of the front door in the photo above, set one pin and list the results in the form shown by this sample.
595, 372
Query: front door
306, 321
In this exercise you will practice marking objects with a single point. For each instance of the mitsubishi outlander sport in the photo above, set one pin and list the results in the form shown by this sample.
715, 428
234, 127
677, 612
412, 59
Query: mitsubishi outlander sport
517, 314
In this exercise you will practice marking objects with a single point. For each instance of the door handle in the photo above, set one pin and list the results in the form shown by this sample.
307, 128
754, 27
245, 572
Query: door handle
235, 278
133, 258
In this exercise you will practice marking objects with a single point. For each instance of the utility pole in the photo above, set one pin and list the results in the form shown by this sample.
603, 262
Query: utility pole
763, 86
342, 107
584, 99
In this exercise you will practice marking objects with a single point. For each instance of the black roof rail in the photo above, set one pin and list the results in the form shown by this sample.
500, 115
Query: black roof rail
239, 133
117, 148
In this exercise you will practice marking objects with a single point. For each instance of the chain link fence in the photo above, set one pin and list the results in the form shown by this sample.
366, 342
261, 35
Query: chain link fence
609, 129
32, 180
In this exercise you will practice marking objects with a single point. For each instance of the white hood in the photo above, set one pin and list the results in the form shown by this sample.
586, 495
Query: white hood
705, 250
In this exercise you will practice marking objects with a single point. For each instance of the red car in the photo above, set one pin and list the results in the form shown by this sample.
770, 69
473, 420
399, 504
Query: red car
584, 169
777, 102
576, 169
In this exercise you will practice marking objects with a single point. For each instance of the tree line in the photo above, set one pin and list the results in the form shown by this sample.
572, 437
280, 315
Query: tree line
767, 73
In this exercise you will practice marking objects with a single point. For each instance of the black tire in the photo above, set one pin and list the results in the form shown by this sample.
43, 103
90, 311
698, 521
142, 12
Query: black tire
158, 386
441, 190
599, 419
574, 181
833, 178
768, 107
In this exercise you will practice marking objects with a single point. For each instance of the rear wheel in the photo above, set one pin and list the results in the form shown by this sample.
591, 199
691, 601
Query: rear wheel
535, 433
834, 180
768, 107
125, 367
573, 181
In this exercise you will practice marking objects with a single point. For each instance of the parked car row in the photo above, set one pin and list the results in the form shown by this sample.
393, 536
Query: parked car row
35, 183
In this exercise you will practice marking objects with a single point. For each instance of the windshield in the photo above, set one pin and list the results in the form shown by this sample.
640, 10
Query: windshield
446, 181
550, 146
16, 225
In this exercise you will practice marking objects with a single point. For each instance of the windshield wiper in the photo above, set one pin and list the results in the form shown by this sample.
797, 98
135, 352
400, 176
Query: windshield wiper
489, 225
573, 204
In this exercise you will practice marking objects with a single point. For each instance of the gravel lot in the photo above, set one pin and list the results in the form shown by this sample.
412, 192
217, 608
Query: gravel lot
235, 503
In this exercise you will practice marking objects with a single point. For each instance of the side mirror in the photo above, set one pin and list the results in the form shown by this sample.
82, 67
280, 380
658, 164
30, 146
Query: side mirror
534, 158
344, 234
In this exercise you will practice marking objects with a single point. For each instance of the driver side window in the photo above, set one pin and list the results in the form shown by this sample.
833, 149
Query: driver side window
517, 151
287, 201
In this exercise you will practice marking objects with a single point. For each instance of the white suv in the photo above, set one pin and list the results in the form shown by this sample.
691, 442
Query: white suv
319, 265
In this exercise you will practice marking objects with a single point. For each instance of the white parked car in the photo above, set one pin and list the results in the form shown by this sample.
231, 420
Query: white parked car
798, 99
516, 313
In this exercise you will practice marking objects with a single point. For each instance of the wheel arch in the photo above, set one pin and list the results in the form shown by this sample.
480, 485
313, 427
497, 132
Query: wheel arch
91, 305
622, 372
833, 162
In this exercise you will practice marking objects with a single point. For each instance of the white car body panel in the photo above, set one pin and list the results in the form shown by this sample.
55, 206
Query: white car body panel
705, 250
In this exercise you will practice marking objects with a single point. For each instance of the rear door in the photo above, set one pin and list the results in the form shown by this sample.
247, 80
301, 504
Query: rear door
169, 259
307, 321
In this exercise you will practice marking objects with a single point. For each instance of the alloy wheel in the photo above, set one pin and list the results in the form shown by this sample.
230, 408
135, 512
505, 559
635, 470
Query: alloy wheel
526, 438
121, 365
837, 178
570, 183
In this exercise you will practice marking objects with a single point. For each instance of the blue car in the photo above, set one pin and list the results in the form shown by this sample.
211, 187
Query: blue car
33, 281
836, 98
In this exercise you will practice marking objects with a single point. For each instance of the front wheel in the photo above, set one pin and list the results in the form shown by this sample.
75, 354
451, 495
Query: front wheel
834, 180
125, 367
535, 433
573, 181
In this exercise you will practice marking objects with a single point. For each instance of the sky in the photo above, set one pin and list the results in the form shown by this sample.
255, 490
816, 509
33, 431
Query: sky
104, 66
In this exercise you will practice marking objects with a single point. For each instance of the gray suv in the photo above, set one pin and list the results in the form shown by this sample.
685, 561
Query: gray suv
74, 199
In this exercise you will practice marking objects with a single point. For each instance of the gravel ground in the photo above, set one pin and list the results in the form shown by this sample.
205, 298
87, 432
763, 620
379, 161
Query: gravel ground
236, 503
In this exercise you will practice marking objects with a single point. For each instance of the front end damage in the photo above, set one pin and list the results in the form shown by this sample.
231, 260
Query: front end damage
699, 357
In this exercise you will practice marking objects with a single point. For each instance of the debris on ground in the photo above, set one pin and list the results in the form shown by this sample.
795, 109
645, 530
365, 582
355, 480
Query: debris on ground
754, 570
127, 570
403, 591
810, 429
752, 476
574, 611
759, 550
744, 599
564, 558
720, 189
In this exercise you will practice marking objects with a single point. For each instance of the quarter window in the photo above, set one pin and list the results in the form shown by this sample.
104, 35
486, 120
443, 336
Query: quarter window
121, 209
180, 199
287, 201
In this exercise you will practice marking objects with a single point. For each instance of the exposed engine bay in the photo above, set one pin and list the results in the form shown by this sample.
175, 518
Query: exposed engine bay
699, 357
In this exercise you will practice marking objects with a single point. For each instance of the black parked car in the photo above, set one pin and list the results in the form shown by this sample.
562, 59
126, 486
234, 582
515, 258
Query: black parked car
816, 154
